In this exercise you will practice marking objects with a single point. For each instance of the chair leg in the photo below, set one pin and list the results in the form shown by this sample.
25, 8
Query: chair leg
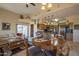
27, 53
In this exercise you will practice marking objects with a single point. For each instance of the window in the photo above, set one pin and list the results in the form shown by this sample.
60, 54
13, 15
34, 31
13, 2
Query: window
22, 29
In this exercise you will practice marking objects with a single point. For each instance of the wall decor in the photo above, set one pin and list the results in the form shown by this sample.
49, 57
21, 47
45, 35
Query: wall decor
5, 26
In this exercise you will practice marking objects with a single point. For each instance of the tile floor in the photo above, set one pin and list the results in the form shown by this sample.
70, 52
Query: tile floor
75, 50
22, 53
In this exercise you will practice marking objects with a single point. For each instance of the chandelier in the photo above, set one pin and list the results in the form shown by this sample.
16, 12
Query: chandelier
46, 6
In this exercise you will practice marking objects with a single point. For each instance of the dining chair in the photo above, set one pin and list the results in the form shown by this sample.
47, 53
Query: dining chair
35, 51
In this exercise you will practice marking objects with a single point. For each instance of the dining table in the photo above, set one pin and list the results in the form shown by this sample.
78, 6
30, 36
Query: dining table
42, 43
45, 45
49, 44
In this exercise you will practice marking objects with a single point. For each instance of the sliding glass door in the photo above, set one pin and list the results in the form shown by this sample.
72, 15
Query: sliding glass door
23, 29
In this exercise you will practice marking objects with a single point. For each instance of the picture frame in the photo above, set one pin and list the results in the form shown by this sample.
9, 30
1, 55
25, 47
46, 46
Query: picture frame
5, 26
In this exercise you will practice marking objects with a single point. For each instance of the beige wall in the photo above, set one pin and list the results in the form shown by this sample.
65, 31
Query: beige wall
9, 17
75, 20
13, 19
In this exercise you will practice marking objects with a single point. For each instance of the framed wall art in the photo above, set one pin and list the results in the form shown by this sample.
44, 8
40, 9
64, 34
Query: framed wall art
5, 26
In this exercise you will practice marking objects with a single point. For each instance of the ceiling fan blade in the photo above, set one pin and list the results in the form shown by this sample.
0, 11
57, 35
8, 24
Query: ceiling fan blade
33, 4
26, 5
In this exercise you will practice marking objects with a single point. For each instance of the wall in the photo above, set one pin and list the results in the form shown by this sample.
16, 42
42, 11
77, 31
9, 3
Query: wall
8, 17
13, 19
75, 20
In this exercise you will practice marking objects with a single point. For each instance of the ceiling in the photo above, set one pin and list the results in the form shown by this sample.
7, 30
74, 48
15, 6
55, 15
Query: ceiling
58, 10
21, 8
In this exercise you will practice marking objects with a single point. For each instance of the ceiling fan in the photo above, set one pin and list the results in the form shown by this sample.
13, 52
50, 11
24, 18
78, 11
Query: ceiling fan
33, 4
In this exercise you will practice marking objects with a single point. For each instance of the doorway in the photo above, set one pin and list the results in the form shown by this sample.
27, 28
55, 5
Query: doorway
22, 28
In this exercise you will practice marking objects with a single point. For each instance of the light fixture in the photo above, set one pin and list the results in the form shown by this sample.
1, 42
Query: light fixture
49, 5
56, 20
43, 7
27, 3
44, 3
46, 6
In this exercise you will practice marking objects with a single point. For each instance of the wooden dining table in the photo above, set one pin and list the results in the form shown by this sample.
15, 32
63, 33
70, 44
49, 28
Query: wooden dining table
47, 44
42, 43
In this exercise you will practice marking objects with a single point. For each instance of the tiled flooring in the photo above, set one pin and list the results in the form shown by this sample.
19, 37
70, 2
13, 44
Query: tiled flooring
73, 52
22, 53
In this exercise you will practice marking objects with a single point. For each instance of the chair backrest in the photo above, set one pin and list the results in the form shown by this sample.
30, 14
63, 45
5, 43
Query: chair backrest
33, 50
